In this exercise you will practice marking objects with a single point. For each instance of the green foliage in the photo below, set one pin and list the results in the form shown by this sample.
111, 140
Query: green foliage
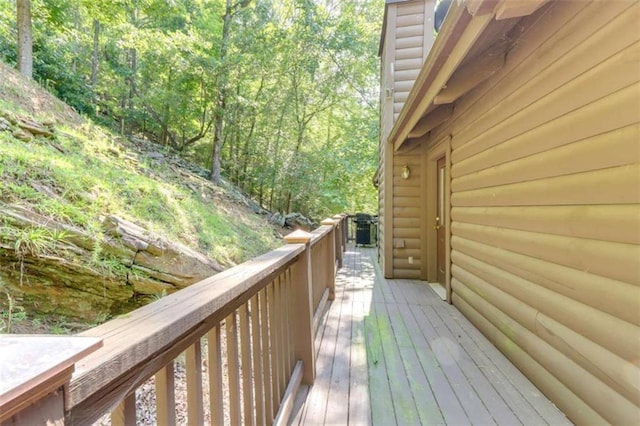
35, 241
300, 80
94, 176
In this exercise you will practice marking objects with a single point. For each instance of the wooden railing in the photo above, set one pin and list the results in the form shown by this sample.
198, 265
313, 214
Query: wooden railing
252, 325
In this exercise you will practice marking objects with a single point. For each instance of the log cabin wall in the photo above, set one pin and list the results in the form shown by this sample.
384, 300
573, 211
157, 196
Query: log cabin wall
407, 244
545, 193
406, 41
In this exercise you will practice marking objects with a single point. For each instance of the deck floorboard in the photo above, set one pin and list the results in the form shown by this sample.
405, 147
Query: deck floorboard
392, 352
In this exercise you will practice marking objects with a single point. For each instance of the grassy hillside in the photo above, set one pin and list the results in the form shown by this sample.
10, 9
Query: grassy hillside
84, 173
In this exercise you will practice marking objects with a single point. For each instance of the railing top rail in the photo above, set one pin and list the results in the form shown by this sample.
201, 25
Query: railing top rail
138, 344
319, 233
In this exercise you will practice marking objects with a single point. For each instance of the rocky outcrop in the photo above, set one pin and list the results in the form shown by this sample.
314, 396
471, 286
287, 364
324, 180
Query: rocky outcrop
57, 268
159, 259
292, 220
24, 128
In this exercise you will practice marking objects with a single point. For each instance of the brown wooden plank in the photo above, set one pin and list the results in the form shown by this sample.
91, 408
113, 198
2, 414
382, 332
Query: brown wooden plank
449, 406
316, 405
233, 369
427, 408
288, 400
125, 412
193, 357
337, 400
290, 321
299, 405
359, 400
517, 8
248, 417
165, 395
401, 394
382, 411
275, 350
267, 364
214, 356
257, 354
491, 363
283, 373
491, 399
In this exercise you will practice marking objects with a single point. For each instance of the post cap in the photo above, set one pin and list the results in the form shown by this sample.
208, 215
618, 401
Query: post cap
298, 237
338, 216
328, 222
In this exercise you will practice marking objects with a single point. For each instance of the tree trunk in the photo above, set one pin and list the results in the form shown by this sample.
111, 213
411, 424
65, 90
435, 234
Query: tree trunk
132, 79
94, 56
25, 38
76, 43
221, 98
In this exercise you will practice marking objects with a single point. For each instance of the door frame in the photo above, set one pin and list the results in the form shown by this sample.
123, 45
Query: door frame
435, 152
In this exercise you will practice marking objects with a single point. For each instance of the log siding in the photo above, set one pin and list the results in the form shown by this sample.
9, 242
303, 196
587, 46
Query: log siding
545, 203
545, 208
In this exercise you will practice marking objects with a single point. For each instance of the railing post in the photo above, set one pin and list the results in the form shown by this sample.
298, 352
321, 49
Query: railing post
303, 307
33, 392
340, 237
345, 231
337, 219
332, 257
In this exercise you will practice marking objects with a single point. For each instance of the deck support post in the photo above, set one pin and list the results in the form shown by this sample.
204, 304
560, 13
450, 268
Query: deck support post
339, 238
302, 302
331, 257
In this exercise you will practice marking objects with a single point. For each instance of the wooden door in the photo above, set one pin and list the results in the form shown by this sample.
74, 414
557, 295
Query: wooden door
441, 225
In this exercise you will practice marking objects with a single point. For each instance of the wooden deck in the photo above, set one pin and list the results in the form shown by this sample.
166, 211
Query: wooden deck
392, 352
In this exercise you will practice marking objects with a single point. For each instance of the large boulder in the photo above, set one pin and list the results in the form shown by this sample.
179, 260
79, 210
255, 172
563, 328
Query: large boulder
67, 271
166, 261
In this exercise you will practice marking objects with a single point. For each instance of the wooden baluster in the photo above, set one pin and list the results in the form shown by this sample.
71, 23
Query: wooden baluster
193, 356
303, 308
317, 274
266, 358
282, 373
258, 354
331, 258
283, 329
289, 321
339, 239
346, 231
233, 369
165, 396
275, 350
215, 376
278, 338
247, 372
125, 412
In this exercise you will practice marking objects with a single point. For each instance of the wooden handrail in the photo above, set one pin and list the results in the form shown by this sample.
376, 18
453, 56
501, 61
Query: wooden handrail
268, 301
140, 343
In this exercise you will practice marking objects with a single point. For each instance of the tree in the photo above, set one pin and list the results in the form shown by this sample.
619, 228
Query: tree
221, 97
280, 97
25, 38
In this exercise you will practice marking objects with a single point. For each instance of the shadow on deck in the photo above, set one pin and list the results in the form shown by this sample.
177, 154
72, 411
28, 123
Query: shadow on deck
392, 352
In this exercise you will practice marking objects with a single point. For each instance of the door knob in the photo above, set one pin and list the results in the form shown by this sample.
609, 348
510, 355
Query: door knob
437, 225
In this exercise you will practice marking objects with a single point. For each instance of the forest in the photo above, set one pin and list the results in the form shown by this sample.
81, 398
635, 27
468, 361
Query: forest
279, 97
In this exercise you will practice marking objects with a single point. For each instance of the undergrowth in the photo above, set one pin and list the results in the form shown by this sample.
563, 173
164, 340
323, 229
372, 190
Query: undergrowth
88, 173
